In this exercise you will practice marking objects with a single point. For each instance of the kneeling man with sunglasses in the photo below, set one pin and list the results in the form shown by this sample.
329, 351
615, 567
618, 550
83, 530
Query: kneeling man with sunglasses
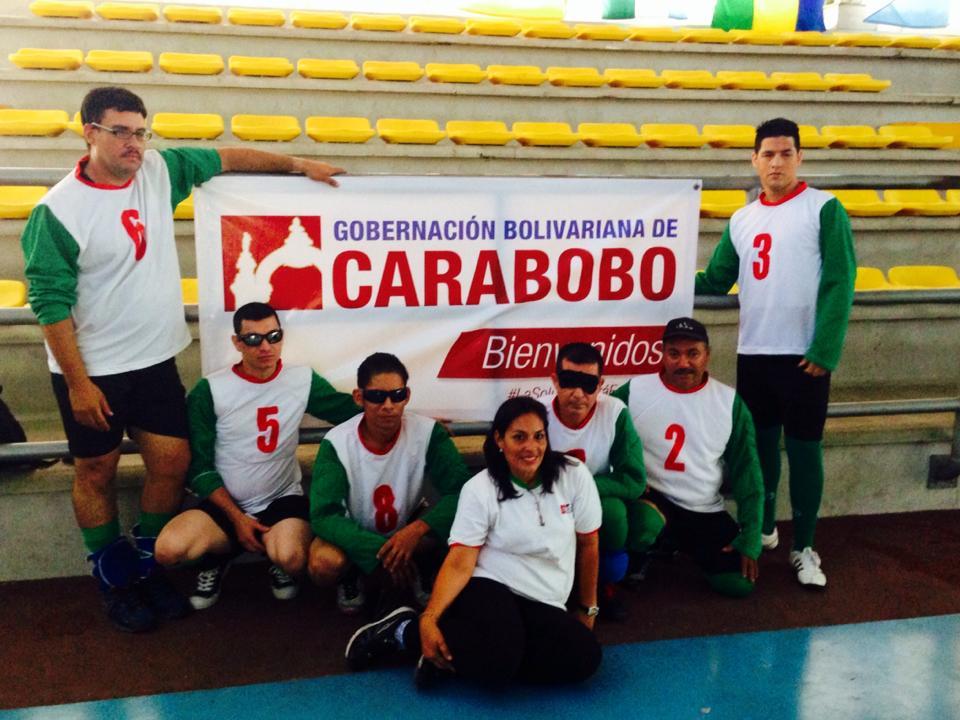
244, 430
370, 481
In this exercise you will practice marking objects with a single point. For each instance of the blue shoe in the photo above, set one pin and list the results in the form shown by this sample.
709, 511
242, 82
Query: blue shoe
127, 610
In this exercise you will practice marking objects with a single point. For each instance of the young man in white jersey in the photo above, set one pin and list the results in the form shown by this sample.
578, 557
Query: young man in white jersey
791, 251
596, 429
691, 426
105, 285
370, 481
244, 431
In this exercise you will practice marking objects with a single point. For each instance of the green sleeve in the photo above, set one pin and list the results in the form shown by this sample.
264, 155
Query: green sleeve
189, 167
51, 266
328, 404
627, 478
838, 275
447, 473
722, 271
329, 490
622, 393
743, 466
202, 475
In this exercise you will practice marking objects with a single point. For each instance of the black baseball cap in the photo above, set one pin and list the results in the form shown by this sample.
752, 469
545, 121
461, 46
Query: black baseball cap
686, 328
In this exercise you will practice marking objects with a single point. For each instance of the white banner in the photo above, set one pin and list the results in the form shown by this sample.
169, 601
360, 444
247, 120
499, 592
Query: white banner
472, 282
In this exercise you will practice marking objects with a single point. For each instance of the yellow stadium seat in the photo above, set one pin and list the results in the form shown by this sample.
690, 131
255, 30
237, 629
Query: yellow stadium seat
190, 289
480, 132
455, 73
193, 14
438, 25
609, 135
128, 11
655, 34
721, 203
493, 27
33, 122
76, 125
913, 136
378, 23
265, 127
548, 29
632, 78
554, 134
16, 201
871, 279
339, 129
864, 39
257, 17
854, 136
745, 80
260, 66
927, 277
184, 211
327, 69
806, 81
671, 135
575, 76
318, 20
950, 130
729, 136
734, 289
120, 60
810, 137
952, 196
13, 293
43, 59
187, 126
515, 74
756, 37
190, 63
855, 82
810, 38
946, 43
690, 79
63, 9
410, 132
706, 35
922, 202
865, 203
600, 31
917, 42
393, 71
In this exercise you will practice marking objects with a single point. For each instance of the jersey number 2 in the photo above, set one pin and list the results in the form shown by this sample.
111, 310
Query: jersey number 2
675, 432
761, 266
386, 516
270, 427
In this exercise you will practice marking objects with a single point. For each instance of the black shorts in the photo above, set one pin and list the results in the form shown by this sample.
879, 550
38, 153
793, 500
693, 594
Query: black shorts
283, 508
701, 535
152, 399
778, 392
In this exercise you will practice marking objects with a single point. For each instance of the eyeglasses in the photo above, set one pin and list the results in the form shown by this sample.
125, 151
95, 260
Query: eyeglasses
254, 339
125, 133
573, 379
378, 397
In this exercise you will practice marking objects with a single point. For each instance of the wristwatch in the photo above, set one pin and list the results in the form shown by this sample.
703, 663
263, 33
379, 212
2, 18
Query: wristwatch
589, 610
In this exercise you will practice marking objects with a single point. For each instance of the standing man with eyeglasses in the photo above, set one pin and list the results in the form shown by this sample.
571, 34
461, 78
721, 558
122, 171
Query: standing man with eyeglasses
370, 481
244, 432
596, 429
105, 285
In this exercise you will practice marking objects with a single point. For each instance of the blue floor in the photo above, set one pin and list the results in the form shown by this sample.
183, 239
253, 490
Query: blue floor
901, 670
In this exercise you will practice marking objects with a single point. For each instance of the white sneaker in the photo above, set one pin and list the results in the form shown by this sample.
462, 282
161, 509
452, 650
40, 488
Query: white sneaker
770, 542
807, 564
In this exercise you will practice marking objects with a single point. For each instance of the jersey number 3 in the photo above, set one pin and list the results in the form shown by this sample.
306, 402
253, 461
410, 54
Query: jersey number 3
761, 266
270, 427
675, 432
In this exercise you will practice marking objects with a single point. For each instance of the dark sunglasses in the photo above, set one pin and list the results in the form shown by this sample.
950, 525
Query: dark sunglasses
378, 397
254, 339
573, 379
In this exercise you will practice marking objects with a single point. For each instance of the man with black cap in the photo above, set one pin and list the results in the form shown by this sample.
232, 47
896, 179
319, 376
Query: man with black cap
690, 425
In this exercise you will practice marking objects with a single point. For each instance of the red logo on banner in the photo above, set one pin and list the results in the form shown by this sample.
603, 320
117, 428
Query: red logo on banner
532, 352
272, 258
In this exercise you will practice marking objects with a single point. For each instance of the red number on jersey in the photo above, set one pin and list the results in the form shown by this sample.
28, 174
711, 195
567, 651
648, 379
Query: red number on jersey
675, 432
386, 516
130, 219
270, 427
761, 266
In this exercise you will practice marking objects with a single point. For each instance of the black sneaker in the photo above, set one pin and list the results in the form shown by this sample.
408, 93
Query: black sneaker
612, 608
637, 570
127, 610
377, 639
206, 591
282, 585
160, 594
350, 595
428, 675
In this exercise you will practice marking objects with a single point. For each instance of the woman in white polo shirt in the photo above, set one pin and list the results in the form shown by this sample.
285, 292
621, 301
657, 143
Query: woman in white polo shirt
524, 528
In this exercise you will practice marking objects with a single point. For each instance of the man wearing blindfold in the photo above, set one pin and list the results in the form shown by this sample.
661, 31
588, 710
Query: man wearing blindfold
691, 426
597, 429
370, 479
244, 432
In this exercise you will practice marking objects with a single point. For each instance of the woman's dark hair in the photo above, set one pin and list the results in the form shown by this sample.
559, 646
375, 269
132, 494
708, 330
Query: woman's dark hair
497, 463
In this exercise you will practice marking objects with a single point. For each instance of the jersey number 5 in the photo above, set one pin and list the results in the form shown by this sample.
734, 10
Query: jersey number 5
270, 427
761, 266
675, 432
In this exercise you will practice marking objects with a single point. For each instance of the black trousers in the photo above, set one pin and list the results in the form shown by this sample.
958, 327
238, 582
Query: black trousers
497, 637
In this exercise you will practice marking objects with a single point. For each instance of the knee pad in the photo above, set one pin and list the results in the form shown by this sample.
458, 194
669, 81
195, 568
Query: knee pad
116, 565
613, 566
730, 584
